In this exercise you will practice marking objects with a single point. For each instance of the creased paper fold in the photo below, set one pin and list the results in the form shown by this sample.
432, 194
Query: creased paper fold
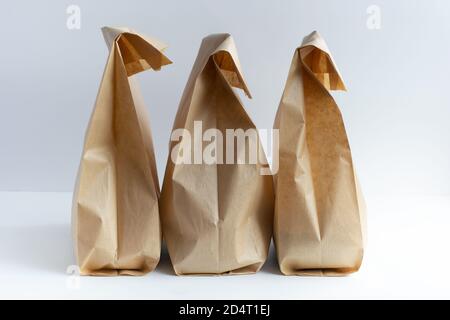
116, 224
319, 224
217, 218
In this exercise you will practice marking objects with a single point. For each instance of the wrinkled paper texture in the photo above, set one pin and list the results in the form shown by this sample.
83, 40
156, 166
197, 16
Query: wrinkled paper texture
319, 224
116, 223
217, 218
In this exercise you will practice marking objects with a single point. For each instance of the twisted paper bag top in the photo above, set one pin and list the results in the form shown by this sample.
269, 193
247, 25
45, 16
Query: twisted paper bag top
139, 53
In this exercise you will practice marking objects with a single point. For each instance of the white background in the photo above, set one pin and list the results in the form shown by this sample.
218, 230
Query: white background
396, 109
396, 112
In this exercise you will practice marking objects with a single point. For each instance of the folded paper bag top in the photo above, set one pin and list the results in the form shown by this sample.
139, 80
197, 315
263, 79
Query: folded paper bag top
217, 216
319, 225
115, 216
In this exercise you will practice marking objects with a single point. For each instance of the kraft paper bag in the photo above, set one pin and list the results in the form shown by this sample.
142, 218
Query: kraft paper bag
116, 223
319, 211
217, 218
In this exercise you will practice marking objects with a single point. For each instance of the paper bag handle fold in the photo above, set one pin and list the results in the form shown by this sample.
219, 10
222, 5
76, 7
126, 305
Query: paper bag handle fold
316, 58
138, 53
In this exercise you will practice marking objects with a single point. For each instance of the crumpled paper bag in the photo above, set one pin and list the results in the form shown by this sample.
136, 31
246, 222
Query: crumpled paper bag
217, 218
116, 224
319, 224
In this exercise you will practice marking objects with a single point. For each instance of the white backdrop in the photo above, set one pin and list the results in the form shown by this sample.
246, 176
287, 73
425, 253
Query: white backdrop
396, 111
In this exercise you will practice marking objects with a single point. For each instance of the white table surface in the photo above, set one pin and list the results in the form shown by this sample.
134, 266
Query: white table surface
408, 256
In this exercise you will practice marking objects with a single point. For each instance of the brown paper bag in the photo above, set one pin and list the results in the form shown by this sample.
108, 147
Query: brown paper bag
319, 210
217, 218
116, 222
